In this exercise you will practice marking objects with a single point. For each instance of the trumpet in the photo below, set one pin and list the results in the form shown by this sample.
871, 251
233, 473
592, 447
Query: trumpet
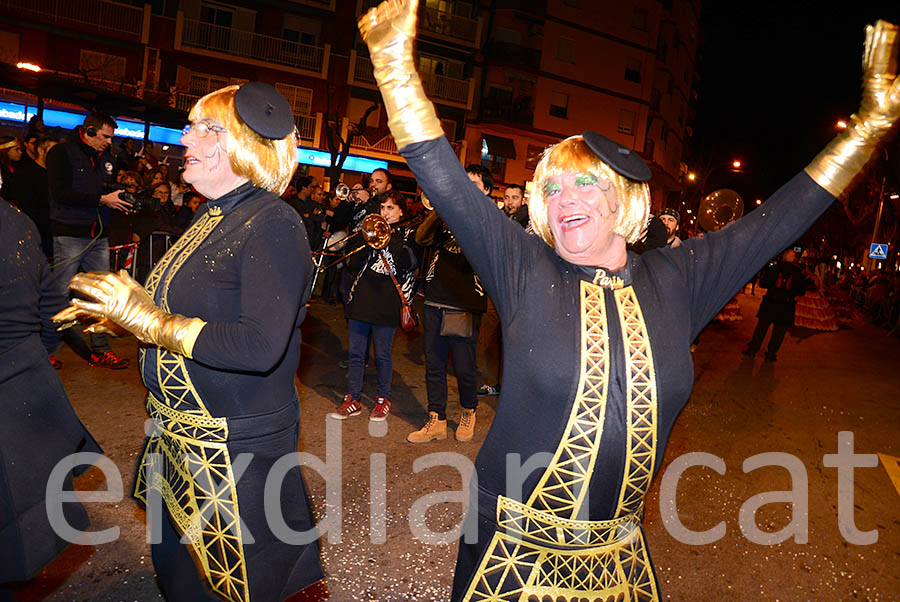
342, 191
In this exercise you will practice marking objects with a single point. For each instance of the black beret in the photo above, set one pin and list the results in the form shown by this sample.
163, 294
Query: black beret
672, 212
265, 110
623, 161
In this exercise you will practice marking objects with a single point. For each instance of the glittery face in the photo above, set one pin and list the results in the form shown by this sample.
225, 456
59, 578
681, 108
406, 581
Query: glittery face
582, 211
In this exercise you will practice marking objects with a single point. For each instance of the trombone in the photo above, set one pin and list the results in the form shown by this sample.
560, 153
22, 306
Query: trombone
375, 232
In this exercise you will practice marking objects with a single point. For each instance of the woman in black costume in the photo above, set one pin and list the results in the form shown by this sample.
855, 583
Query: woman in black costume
220, 315
38, 427
596, 339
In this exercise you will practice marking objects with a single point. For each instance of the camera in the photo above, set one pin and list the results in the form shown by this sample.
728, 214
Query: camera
138, 202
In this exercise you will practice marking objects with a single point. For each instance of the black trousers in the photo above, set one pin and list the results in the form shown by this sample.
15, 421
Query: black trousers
759, 333
437, 348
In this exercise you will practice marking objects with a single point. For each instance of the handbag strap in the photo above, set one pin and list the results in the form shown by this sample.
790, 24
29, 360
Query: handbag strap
391, 274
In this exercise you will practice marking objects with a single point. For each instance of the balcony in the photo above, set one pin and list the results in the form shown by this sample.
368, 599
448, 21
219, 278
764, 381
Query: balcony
378, 143
266, 51
94, 16
447, 25
360, 73
308, 128
445, 90
448, 90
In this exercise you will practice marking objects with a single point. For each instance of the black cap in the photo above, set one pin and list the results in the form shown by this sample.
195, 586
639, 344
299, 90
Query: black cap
623, 161
672, 212
265, 110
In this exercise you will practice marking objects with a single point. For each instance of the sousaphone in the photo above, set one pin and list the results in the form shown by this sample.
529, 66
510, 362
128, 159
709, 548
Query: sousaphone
720, 208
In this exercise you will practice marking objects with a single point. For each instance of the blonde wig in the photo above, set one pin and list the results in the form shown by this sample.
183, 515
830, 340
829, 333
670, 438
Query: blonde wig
574, 155
268, 164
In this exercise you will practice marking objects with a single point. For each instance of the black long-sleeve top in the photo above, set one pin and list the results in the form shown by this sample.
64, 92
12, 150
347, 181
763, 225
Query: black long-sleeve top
373, 296
247, 278
29, 296
450, 280
537, 296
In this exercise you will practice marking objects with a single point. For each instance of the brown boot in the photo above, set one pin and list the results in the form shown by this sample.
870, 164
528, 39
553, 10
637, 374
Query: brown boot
435, 428
466, 429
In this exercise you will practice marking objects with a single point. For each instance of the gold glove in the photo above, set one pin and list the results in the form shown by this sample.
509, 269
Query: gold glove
389, 30
845, 157
119, 299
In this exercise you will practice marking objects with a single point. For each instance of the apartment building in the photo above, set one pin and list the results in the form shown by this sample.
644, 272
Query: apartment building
508, 77
554, 68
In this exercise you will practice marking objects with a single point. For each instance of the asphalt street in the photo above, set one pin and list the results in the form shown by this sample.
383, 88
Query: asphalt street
796, 524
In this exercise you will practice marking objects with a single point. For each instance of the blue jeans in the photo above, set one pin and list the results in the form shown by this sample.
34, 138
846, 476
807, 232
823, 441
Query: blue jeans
358, 342
71, 253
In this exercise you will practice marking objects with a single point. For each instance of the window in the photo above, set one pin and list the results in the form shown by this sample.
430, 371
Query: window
433, 65
664, 134
495, 163
99, 65
633, 70
204, 83
301, 30
626, 121
639, 19
299, 98
533, 155
216, 15
565, 50
559, 105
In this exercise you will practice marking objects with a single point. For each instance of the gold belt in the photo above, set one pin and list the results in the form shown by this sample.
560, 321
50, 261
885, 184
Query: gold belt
187, 461
536, 554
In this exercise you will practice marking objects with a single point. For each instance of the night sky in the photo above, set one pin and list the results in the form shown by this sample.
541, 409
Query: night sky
775, 78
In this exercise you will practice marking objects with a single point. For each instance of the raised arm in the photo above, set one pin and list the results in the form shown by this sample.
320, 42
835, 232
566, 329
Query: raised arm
717, 265
498, 249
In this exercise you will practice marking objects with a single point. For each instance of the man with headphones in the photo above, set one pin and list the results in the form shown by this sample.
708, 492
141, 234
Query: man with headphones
78, 171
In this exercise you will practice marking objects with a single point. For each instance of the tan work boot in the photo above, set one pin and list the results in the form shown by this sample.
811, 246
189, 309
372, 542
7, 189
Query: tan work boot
435, 428
466, 429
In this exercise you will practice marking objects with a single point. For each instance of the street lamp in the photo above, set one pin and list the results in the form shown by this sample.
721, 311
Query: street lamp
28, 67
841, 124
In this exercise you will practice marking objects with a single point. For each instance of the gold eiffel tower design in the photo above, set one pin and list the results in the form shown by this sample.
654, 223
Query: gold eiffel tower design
563, 485
641, 454
608, 558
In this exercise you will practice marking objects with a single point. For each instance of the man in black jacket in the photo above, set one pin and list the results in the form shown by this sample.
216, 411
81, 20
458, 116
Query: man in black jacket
784, 281
454, 304
78, 171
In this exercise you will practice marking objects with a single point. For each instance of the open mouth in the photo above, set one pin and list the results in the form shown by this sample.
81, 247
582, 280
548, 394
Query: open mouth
570, 222
189, 160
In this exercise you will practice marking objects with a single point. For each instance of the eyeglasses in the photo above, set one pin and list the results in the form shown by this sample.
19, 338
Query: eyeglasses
202, 128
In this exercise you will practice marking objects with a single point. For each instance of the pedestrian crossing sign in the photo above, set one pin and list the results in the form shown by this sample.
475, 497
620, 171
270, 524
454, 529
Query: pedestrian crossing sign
878, 251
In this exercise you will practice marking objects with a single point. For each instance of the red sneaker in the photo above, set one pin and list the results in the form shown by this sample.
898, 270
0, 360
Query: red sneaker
108, 359
350, 407
381, 410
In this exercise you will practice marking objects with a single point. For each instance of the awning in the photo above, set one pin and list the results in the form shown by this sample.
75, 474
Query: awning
499, 146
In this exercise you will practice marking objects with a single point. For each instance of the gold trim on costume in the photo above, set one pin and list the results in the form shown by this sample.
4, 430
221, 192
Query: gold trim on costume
563, 486
187, 461
641, 454
540, 549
